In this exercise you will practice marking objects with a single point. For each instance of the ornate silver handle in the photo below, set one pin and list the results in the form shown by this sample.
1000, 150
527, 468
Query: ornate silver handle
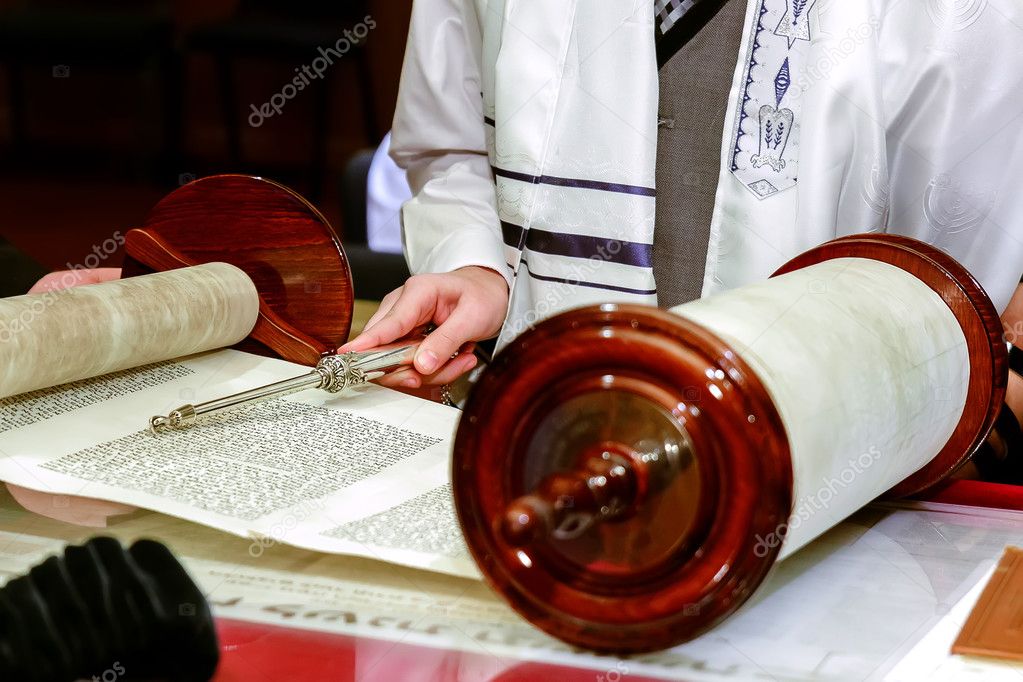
333, 373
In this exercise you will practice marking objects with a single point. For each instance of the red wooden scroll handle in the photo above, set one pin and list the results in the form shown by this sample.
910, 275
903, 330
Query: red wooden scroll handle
278, 238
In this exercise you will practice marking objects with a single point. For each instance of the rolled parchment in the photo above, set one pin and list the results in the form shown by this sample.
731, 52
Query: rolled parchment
56, 337
868, 368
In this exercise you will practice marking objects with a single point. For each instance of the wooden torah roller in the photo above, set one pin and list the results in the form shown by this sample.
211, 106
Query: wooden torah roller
280, 240
625, 477
288, 295
299, 270
226, 259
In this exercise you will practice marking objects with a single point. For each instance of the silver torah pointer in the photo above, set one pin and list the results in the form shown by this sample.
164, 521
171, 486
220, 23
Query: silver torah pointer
333, 373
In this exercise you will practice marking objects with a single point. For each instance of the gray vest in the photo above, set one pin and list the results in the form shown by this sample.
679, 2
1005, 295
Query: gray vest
694, 95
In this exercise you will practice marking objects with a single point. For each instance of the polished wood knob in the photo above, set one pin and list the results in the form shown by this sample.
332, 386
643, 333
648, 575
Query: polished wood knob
603, 487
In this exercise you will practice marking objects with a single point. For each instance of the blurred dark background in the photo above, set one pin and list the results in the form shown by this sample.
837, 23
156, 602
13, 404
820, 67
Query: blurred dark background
107, 105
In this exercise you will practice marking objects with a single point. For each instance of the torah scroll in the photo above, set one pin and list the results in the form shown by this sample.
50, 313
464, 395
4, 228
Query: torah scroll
56, 337
627, 477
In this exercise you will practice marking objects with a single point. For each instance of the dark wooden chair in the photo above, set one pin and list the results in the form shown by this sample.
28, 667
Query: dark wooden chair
60, 36
374, 274
293, 34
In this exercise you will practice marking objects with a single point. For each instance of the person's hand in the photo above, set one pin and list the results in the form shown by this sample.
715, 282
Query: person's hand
467, 305
81, 511
65, 279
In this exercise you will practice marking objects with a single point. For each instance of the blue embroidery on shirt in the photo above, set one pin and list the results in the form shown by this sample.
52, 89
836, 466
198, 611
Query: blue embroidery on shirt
773, 57
775, 128
749, 81
795, 23
782, 82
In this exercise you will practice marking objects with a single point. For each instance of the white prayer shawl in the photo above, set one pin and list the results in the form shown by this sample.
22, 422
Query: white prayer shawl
886, 115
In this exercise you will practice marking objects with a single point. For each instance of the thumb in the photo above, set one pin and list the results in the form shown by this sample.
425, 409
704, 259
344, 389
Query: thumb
415, 306
444, 341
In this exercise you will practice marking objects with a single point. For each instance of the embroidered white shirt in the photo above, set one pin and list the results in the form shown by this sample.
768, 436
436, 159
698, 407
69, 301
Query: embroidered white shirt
528, 131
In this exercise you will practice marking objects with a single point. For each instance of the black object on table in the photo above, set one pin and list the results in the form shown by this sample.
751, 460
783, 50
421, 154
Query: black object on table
101, 611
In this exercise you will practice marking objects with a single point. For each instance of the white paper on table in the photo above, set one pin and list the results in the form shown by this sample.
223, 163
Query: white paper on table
932, 658
850, 606
363, 472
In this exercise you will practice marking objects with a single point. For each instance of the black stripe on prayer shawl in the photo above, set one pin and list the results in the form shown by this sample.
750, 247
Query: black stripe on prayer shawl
574, 182
606, 249
593, 285
512, 235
